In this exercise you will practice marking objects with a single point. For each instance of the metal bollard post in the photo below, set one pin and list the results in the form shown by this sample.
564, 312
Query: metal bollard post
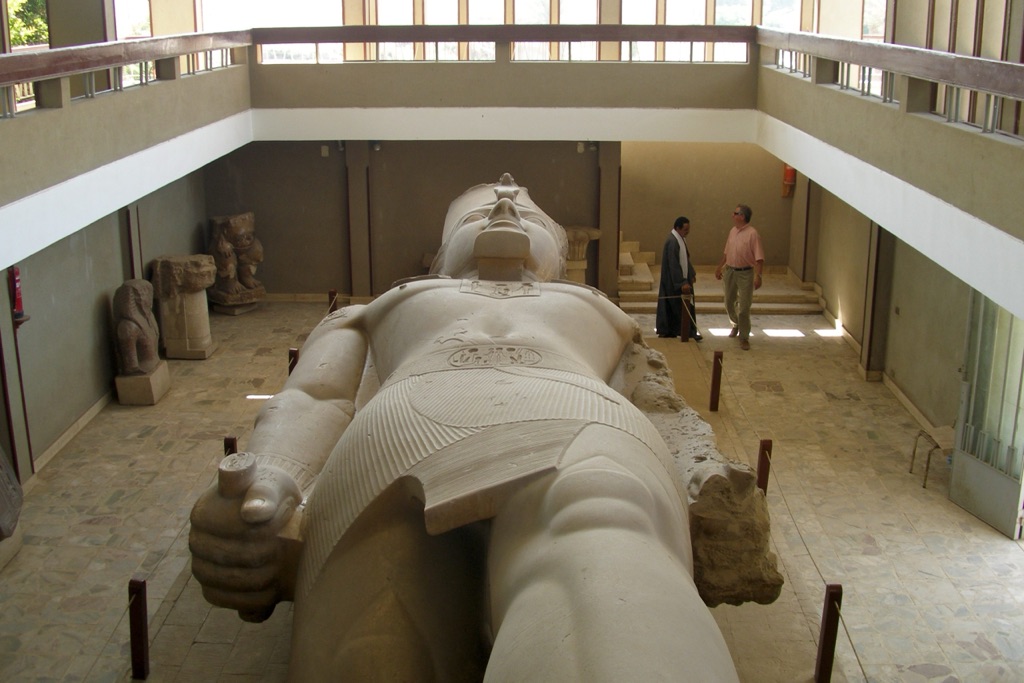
138, 626
716, 381
230, 445
293, 359
829, 630
764, 464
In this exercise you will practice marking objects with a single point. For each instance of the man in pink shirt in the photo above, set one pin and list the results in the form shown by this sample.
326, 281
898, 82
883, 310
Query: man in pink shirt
741, 266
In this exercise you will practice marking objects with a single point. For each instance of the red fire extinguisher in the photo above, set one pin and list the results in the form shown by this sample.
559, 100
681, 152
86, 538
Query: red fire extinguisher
788, 180
14, 275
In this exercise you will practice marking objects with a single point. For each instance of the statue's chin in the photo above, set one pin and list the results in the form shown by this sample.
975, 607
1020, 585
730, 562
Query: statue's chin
502, 243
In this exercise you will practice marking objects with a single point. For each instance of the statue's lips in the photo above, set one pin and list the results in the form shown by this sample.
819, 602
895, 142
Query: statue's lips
501, 242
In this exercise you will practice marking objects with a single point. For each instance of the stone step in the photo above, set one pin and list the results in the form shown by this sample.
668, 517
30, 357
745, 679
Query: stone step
629, 246
651, 306
647, 257
625, 263
641, 279
808, 298
716, 299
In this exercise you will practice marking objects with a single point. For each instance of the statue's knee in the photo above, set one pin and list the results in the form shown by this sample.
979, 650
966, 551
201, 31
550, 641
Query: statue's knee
599, 493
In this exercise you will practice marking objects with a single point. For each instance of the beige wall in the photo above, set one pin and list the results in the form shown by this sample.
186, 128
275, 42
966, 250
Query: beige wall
844, 237
53, 145
172, 16
703, 182
412, 183
496, 84
300, 200
172, 220
67, 352
925, 343
980, 174
840, 17
912, 23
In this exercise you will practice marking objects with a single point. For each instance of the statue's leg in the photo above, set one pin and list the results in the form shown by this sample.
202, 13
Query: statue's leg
393, 603
590, 575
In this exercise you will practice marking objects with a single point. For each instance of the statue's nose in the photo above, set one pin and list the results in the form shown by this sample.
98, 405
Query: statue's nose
504, 211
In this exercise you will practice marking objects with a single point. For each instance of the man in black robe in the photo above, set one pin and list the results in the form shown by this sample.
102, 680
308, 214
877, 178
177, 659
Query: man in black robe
677, 278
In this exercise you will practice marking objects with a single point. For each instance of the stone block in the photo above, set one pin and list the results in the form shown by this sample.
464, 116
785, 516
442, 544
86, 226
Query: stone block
143, 390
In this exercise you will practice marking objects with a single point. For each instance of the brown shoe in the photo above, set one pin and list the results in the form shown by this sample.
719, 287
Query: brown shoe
745, 345
734, 332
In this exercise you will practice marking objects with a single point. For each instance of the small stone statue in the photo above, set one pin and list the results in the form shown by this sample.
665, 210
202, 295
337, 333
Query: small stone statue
181, 284
237, 252
137, 331
142, 378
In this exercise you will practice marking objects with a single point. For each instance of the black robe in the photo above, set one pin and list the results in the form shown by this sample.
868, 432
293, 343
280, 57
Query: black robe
670, 303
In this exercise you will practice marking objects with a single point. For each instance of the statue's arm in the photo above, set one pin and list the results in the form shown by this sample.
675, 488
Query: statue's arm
244, 539
297, 429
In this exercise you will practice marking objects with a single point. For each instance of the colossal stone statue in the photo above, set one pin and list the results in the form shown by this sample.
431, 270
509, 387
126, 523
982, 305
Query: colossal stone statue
451, 485
237, 252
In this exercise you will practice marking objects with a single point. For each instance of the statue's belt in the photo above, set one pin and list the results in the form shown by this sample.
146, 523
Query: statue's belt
487, 356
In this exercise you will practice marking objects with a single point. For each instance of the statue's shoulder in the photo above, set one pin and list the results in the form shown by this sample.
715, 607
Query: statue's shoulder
406, 281
570, 285
346, 316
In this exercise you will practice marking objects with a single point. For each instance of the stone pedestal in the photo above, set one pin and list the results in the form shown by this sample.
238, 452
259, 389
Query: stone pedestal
180, 283
143, 390
576, 261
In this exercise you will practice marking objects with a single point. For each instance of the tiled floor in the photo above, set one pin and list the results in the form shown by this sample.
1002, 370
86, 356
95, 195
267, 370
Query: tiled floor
930, 593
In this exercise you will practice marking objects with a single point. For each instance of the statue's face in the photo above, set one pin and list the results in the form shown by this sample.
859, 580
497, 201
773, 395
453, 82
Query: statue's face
500, 208
240, 234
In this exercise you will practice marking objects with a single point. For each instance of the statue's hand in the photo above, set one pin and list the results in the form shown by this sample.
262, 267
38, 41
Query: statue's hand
237, 553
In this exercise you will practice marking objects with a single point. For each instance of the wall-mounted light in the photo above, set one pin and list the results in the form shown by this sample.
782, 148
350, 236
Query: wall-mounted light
375, 146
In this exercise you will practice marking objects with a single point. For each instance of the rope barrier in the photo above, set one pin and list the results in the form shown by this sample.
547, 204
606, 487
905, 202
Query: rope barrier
782, 495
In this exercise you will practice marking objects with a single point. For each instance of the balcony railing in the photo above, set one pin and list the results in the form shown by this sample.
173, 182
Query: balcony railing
981, 92
984, 93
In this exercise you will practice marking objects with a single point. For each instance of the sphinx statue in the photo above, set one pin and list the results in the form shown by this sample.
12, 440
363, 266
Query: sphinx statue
453, 484
237, 252
137, 333
142, 377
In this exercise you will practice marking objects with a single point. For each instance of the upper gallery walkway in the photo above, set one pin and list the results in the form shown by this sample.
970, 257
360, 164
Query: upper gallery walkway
917, 140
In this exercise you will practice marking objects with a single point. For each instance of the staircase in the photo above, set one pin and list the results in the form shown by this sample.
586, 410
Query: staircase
781, 293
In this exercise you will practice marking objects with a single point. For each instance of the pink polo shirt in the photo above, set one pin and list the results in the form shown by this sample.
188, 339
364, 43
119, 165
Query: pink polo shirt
743, 247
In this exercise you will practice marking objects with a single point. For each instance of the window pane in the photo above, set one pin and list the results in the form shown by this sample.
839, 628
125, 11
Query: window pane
289, 53
131, 18
394, 12
783, 15
577, 12
684, 52
685, 12
441, 12
733, 12
227, 15
639, 12
731, 52
874, 20
578, 52
441, 52
532, 11
487, 12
